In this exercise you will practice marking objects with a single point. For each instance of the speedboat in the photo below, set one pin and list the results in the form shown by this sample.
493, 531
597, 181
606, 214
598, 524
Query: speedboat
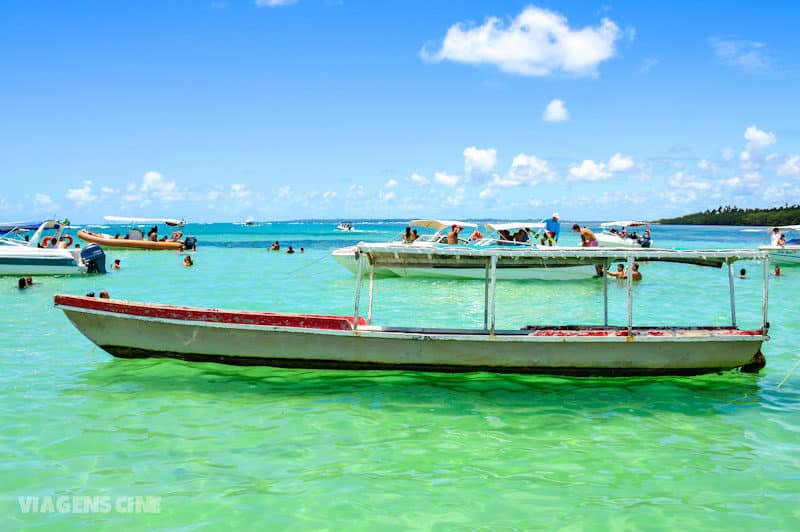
625, 234
787, 253
345, 226
46, 252
135, 238
347, 256
129, 329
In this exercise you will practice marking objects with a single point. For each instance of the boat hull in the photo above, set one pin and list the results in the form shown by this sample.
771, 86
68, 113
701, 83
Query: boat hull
612, 241
134, 330
17, 260
109, 241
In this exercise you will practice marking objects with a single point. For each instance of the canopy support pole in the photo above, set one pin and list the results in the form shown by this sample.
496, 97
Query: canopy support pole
371, 291
486, 295
605, 294
359, 279
494, 294
765, 297
630, 296
732, 293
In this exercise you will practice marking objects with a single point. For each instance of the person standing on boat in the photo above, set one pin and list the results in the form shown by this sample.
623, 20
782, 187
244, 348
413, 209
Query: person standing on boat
552, 227
452, 236
588, 240
774, 237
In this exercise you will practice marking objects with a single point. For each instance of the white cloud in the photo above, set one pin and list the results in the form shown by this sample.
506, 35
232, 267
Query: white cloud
43, 201
328, 195
555, 111
487, 193
478, 160
419, 179
757, 142
274, 3
537, 42
704, 165
746, 55
527, 170
589, 170
790, 167
154, 186
685, 188
386, 196
283, 192
391, 183
648, 64
213, 194
355, 191
444, 178
82, 195
239, 191
619, 163
727, 153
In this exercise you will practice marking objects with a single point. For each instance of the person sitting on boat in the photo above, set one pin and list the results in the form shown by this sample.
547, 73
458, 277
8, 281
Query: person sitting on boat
521, 235
552, 227
476, 235
505, 235
407, 236
414, 234
52, 243
782, 240
153, 234
588, 240
774, 237
452, 235
176, 236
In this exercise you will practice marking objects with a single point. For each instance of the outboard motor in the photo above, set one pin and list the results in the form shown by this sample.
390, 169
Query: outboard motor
95, 258
190, 243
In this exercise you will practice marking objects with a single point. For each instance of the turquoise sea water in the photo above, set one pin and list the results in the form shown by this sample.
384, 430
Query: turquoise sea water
218, 446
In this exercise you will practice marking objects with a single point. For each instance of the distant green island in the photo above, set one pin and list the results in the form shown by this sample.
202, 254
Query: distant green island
786, 215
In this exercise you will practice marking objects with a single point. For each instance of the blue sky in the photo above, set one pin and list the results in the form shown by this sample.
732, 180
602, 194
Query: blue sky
216, 111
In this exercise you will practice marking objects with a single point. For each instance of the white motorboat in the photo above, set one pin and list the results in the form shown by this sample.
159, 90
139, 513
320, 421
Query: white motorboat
345, 226
625, 234
46, 252
422, 258
347, 256
129, 329
788, 252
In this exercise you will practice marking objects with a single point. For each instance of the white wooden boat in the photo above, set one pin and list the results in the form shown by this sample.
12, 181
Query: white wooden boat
46, 252
625, 234
787, 254
132, 330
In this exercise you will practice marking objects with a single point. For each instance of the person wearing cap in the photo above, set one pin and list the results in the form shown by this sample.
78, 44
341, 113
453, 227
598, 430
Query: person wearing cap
551, 229
452, 236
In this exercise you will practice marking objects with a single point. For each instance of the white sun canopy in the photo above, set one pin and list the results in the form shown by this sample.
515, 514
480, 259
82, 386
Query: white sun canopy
624, 223
513, 226
134, 220
440, 224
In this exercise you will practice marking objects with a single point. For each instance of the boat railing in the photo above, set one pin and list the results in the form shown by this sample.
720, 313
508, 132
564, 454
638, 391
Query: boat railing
381, 256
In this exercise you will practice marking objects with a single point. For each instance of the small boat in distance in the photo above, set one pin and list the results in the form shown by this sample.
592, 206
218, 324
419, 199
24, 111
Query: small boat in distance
47, 252
128, 329
625, 233
782, 250
135, 238
345, 226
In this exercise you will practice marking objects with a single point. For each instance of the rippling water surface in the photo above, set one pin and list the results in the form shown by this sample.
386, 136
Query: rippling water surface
295, 449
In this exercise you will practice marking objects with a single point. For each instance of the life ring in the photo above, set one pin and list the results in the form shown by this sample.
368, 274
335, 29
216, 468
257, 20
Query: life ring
175, 236
46, 240
68, 238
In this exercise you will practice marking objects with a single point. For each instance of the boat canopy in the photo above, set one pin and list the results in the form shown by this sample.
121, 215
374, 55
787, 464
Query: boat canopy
513, 226
440, 224
8, 227
133, 220
624, 223
788, 227
389, 256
